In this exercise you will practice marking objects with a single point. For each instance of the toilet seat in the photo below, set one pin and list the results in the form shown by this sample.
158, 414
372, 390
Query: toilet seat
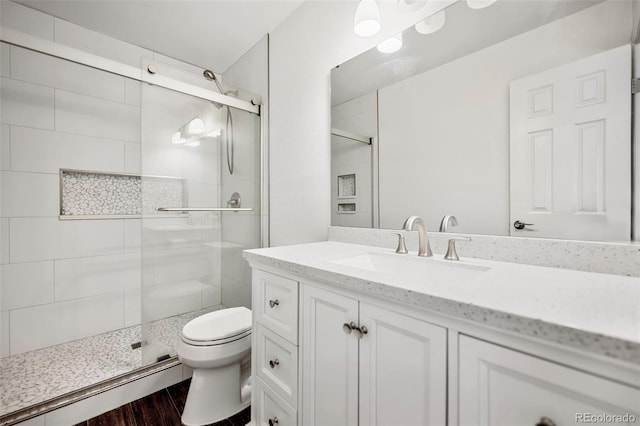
218, 327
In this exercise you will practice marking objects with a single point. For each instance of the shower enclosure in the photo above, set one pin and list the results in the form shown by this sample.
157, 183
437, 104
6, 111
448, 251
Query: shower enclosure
120, 218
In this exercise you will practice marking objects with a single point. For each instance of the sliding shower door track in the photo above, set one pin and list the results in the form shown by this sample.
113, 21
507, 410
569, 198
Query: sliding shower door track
86, 392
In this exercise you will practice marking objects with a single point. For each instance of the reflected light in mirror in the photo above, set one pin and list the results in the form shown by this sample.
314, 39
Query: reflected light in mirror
409, 6
367, 19
431, 24
177, 138
480, 4
390, 45
196, 126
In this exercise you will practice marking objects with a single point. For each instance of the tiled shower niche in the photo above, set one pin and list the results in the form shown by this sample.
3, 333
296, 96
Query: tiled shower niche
90, 194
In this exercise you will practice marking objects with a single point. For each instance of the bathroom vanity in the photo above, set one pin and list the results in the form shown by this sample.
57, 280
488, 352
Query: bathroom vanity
347, 334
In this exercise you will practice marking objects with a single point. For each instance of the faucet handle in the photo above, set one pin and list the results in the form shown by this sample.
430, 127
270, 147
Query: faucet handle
402, 247
451, 249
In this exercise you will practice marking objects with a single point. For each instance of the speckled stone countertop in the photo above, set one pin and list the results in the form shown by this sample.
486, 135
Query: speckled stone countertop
594, 312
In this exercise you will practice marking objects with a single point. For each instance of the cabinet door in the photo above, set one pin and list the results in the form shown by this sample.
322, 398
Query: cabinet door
499, 386
330, 359
403, 370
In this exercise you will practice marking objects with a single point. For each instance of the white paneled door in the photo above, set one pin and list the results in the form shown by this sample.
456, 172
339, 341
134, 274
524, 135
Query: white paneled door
571, 149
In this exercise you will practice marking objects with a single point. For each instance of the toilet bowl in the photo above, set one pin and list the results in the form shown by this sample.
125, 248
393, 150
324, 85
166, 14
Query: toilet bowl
217, 346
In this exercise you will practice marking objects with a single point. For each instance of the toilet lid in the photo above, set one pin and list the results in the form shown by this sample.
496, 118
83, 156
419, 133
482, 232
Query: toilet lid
218, 325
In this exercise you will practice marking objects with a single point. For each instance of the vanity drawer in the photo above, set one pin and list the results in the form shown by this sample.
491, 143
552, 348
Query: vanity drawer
276, 304
277, 364
270, 409
500, 386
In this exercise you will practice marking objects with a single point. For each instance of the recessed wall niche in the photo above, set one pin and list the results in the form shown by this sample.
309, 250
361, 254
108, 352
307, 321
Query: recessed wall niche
103, 195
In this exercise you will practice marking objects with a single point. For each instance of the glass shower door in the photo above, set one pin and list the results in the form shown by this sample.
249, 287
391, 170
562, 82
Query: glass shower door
189, 145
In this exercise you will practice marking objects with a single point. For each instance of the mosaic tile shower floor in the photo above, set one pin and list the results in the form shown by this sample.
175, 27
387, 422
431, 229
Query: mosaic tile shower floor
34, 377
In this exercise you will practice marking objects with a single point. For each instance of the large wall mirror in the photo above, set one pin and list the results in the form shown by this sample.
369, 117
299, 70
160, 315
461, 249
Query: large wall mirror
516, 119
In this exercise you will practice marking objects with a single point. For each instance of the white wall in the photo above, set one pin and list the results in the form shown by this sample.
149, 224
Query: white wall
445, 136
315, 38
64, 280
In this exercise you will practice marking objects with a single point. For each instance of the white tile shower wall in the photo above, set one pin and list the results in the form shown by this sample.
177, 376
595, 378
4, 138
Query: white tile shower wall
56, 150
242, 230
26, 284
77, 118
33, 239
27, 65
45, 325
92, 276
26, 104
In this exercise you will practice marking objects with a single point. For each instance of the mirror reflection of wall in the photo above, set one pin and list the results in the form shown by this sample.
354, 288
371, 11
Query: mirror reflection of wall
445, 132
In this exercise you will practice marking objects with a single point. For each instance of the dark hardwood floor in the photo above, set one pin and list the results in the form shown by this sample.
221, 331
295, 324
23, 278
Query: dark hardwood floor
162, 408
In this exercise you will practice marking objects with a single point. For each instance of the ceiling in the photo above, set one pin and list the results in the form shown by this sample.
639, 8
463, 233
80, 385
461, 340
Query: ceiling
212, 34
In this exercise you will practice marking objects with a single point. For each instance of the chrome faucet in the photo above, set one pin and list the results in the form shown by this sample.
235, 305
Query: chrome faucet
424, 249
448, 219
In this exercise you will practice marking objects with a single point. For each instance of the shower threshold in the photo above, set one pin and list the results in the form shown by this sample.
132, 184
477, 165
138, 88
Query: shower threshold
43, 380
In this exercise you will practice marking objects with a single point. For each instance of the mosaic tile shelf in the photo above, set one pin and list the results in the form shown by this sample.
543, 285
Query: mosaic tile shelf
86, 194
38, 376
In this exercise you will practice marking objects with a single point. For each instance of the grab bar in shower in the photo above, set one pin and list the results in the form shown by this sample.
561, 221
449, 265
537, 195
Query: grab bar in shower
204, 209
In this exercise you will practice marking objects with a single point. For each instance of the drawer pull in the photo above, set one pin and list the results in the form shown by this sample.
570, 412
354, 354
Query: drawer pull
273, 421
545, 421
274, 303
349, 327
274, 362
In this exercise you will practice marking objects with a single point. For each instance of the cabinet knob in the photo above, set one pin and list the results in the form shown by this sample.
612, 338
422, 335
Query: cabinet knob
274, 362
349, 327
545, 421
273, 421
360, 331
274, 303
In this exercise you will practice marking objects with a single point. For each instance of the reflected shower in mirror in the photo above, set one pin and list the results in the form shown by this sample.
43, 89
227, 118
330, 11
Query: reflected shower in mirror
519, 112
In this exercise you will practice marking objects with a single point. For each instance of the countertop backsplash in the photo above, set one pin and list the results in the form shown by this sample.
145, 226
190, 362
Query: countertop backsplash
588, 256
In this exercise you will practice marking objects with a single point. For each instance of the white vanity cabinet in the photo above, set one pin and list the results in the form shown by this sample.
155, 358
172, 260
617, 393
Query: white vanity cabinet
368, 365
327, 353
274, 349
503, 387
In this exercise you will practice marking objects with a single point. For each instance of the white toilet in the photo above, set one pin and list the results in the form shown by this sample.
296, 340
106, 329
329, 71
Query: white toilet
217, 346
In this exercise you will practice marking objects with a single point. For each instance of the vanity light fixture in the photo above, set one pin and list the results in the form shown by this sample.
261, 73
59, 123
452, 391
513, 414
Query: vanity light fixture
367, 19
431, 24
480, 4
390, 45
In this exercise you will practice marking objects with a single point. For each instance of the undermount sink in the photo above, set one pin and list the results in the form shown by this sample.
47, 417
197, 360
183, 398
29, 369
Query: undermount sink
413, 268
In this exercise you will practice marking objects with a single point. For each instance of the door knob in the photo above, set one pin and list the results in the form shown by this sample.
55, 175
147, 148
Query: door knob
274, 362
273, 421
520, 225
360, 331
274, 303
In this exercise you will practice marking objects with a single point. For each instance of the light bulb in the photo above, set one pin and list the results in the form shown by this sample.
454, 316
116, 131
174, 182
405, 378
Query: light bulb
195, 126
480, 4
391, 45
367, 19
432, 24
177, 138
